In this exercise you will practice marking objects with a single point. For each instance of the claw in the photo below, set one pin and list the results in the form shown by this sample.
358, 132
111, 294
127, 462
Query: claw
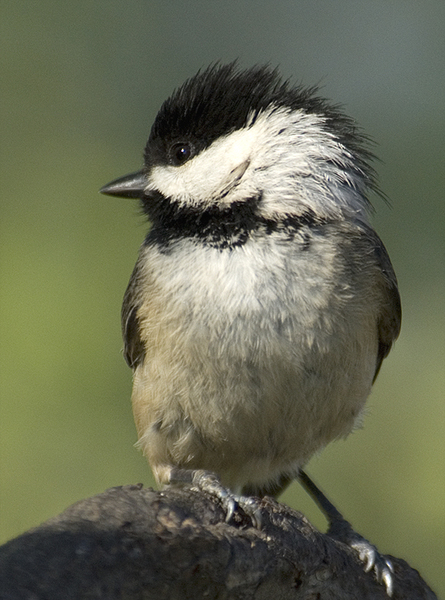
389, 565
251, 508
388, 579
366, 553
382, 566
341, 530
206, 481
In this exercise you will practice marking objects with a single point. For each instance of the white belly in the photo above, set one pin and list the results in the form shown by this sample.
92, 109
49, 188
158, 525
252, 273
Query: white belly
255, 358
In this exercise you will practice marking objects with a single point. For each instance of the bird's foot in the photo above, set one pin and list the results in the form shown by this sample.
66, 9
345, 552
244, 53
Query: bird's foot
342, 531
206, 481
368, 554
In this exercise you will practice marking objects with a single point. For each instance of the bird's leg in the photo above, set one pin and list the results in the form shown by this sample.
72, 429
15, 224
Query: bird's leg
209, 482
342, 530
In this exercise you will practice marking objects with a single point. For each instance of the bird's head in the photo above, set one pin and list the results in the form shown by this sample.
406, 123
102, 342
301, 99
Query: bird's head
229, 136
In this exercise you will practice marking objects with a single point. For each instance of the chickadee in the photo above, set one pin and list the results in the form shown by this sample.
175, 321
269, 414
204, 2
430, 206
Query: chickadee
263, 302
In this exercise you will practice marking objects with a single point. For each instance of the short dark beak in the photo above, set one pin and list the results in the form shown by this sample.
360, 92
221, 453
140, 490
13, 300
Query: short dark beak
129, 186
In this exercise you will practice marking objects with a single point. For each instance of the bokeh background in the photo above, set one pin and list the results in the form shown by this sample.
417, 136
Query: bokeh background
80, 85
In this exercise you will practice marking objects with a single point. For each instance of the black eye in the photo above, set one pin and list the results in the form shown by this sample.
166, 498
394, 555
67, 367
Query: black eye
180, 153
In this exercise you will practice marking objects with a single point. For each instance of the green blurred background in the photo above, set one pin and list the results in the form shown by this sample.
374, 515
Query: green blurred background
80, 85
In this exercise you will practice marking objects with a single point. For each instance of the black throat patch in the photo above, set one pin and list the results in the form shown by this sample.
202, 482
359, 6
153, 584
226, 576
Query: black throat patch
217, 226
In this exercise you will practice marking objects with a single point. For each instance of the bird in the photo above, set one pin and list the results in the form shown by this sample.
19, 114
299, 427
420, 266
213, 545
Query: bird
263, 302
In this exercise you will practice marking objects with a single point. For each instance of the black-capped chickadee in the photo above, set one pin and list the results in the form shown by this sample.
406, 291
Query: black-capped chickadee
263, 302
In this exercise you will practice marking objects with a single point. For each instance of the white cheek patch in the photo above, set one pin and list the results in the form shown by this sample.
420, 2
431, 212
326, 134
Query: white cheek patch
209, 176
288, 157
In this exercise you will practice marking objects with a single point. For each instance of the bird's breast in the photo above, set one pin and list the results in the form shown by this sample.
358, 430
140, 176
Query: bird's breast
245, 345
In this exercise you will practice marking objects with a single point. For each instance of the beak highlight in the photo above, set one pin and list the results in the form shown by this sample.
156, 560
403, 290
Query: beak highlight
129, 186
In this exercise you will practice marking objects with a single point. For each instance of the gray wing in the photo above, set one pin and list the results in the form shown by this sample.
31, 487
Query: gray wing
134, 350
390, 318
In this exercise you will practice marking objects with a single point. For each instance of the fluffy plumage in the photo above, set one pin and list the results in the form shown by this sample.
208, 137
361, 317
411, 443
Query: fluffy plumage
263, 302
